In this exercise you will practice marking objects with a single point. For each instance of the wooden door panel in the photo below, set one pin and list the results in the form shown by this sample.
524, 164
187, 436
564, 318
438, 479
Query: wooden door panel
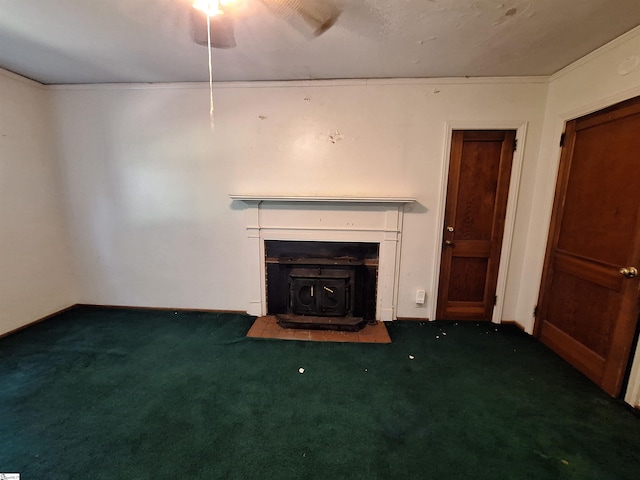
588, 310
580, 319
603, 240
479, 174
475, 204
468, 279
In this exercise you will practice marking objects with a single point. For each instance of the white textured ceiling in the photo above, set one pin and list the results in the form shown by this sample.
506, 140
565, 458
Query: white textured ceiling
107, 41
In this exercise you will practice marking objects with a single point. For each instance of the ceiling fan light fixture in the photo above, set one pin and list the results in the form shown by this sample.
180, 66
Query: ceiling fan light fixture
210, 8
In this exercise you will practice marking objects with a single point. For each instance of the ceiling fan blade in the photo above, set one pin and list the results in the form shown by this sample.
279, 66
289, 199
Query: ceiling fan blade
320, 15
222, 34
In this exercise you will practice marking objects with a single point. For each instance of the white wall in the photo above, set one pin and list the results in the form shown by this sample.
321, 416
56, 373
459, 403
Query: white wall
594, 82
148, 182
35, 260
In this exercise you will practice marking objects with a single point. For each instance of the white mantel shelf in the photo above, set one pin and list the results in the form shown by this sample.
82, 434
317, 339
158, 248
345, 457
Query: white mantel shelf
320, 198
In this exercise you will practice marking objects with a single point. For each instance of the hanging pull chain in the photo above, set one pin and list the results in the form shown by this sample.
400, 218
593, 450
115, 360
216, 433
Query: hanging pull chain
210, 75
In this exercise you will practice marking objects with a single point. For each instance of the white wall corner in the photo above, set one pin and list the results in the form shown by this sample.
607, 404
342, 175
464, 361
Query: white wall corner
632, 396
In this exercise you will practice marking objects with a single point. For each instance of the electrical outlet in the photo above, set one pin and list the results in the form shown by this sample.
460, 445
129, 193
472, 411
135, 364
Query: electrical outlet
420, 294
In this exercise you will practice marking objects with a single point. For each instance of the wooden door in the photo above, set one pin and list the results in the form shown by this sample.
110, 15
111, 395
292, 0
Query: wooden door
589, 294
477, 190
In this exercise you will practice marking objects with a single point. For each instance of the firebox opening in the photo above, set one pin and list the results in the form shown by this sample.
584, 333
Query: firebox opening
330, 285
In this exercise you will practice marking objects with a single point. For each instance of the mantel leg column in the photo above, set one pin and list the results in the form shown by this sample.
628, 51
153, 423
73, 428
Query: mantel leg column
254, 260
389, 257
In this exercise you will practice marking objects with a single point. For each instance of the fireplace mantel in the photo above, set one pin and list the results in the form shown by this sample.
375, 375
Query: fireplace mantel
325, 218
321, 198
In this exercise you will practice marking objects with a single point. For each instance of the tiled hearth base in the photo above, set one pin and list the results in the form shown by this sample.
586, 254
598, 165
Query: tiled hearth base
267, 327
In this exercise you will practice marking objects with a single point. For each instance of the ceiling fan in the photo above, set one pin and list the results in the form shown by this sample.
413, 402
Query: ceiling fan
318, 15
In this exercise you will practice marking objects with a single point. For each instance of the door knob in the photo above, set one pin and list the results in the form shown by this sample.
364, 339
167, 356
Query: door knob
449, 243
450, 228
629, 272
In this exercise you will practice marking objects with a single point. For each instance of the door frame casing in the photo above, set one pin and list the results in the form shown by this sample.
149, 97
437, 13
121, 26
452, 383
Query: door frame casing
509, 225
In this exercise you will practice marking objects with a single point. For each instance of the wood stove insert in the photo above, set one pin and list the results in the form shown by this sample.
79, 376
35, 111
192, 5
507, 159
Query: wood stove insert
321, 285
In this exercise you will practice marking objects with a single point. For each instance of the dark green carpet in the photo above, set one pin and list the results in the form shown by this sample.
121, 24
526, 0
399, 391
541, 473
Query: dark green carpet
117, 394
